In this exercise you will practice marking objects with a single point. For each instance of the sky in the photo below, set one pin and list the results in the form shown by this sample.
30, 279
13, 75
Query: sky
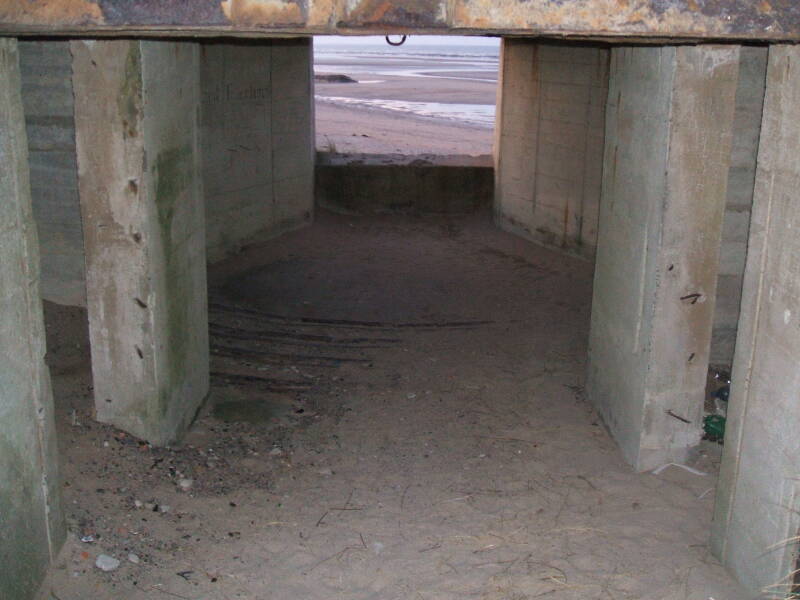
325, 41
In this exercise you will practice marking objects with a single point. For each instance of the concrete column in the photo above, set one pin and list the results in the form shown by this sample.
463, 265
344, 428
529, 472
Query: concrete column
258, 140
516, 132
136, 119
549, 142
668, 142
31, 522
757, 514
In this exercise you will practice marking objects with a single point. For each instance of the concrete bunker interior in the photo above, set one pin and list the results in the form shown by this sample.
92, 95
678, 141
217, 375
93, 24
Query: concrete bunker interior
501, 469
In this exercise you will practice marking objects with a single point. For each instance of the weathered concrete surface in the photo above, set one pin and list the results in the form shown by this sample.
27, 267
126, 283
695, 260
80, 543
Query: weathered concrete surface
141, 199
257, 141
31, 522
767, 19
549, 142
48, 101
668, 141
758, 499
418, 186
741, 178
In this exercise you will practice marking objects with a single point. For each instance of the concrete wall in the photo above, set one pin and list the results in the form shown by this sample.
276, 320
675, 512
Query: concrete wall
47, 97
137, 136
368, 185
258, 140
668, 140
250, 194
31, 522
741, 178
758, 499
549, 142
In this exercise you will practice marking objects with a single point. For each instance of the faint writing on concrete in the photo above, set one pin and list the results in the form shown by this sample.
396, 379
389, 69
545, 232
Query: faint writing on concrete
227, 93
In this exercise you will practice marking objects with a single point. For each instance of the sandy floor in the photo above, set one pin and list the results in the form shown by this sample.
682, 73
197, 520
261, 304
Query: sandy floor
346, 129
397, 413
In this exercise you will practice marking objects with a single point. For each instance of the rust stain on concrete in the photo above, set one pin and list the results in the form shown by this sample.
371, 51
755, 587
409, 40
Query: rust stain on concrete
263, 12
667, 17
678, 19
323, 13
66, 12
406, 13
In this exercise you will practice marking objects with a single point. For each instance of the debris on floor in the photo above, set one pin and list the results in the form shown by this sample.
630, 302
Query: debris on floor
714, 428
106, 563
716, 406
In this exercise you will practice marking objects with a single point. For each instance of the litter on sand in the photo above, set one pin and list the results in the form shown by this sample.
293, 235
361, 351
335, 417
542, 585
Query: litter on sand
658, 470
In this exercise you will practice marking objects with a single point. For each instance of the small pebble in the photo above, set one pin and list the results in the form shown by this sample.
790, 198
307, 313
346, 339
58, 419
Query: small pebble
133, 558
185, 484
106, 563
138, 503
275, 452
164, 508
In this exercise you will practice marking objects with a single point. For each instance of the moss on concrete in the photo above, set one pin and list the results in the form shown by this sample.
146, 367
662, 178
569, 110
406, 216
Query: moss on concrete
174, 170
24, 554
129, 98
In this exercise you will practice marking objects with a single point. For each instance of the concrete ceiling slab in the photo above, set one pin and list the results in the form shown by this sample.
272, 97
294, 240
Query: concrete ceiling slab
769, 20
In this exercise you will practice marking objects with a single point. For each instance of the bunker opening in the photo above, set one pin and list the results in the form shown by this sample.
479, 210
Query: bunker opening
405, 128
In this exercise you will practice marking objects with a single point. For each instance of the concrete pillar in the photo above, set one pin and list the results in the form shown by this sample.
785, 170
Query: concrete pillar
258, 140
668, 142
549, 142
31, 522
757, 514
516, 131
136, 119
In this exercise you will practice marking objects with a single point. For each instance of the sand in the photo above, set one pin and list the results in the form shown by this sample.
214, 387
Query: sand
345, 129
397, 412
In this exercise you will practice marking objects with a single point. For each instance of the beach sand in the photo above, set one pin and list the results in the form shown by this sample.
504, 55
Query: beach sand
349, 129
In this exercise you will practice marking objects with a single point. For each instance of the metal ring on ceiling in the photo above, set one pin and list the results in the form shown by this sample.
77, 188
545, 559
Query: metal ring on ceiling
400, 43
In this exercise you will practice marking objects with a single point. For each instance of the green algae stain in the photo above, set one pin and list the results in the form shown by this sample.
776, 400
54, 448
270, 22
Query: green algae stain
174, 172
24, 553
129, 99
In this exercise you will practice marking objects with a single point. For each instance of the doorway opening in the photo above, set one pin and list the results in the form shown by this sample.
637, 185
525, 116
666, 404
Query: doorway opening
406, 128
434, 95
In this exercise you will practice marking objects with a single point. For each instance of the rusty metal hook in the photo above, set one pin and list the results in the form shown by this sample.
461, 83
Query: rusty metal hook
400, 43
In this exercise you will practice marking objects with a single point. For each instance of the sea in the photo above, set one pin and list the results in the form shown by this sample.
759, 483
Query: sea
369, 59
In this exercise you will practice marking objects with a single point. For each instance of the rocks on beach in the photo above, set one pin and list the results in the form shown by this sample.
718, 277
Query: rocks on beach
333, 78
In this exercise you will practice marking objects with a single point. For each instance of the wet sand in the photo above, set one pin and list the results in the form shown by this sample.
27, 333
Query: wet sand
345, 128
